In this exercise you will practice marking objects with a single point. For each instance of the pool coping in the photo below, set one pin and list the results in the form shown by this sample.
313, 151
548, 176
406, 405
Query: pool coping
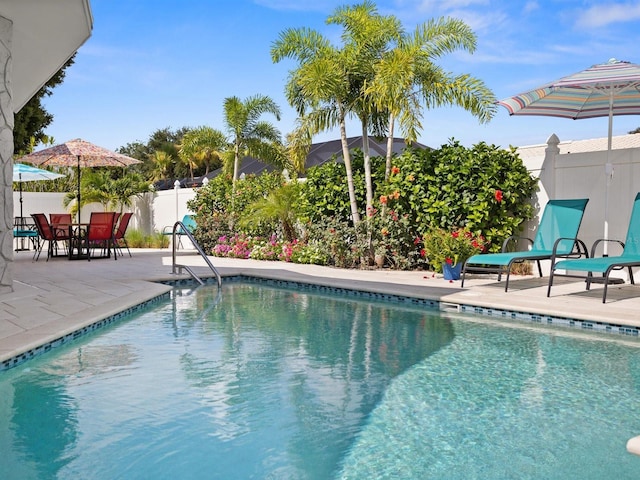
64, 337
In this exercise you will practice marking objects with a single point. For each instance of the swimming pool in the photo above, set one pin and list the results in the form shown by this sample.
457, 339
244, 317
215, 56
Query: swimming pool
272, 382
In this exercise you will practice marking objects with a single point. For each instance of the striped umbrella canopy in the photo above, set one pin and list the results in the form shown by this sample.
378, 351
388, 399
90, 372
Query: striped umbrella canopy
27, 173
78, 153
603, 90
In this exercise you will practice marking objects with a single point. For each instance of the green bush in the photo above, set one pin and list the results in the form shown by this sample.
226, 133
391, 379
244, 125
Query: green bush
138, 239
484, 189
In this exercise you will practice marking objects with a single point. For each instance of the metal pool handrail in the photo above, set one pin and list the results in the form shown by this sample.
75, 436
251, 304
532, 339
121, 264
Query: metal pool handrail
185, 231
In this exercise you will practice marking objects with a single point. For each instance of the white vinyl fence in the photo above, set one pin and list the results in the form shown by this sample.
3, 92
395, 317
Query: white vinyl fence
562, 174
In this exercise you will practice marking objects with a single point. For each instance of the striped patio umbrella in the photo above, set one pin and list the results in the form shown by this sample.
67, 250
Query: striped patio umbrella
603, 90
78, 153
27, 173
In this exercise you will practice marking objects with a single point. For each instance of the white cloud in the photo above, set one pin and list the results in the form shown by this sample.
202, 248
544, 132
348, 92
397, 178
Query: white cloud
602, 15
530, 7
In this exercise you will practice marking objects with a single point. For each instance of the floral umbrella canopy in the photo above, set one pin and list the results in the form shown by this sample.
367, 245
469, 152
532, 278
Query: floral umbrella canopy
78, 153
603, 90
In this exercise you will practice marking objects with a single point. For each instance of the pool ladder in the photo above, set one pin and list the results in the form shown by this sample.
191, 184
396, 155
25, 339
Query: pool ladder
177, 267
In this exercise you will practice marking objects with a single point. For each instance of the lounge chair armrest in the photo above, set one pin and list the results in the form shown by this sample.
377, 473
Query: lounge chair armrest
579, 249
604, 240
514, 238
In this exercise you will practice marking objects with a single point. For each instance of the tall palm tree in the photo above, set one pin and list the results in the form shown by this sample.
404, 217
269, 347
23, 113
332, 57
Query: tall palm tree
250, 135
319, 90
366, 36
406, 78
202, 145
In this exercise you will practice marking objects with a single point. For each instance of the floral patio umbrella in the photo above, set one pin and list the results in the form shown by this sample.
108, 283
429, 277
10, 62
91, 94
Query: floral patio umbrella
78, 153
603, 90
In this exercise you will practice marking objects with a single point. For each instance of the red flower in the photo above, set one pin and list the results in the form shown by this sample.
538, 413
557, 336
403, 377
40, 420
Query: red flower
455, 234
416, 240
395, 170
422, 252
498, 195
449, 261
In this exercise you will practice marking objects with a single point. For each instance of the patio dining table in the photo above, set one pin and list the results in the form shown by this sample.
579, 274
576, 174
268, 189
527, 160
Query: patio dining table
78, 240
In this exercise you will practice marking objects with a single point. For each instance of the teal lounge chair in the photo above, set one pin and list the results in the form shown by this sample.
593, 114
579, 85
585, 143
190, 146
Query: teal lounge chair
630, 257
189, 223
556, 238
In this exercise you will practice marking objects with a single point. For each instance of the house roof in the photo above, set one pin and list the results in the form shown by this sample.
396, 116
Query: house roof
322, 152
45, 35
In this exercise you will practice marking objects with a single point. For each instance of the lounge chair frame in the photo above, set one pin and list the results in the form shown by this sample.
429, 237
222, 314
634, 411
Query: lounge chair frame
189, 223
540, 248
630, 257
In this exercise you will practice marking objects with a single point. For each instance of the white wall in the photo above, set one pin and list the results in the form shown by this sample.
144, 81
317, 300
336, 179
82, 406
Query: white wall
570, 175
46, 202
153, 212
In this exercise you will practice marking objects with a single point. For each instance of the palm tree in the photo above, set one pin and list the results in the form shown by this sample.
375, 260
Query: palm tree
367, 36
250, 135
202, 145
319, 90
162, 162
98, 186
406, 79
279, 205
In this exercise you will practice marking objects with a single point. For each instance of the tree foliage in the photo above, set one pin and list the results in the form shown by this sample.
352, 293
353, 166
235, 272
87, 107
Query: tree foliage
32, 119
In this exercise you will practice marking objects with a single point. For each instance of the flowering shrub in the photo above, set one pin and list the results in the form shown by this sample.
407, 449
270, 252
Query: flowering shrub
443, 246
269, 249
234, 246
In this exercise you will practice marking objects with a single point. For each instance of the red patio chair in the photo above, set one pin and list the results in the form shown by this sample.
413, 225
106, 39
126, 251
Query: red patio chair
100, 234
121, 230
50, 234
60, 220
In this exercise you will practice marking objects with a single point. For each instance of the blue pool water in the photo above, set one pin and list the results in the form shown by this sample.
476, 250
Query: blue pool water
274, 383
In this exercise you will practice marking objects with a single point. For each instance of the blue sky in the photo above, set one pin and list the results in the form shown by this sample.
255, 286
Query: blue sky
157, 64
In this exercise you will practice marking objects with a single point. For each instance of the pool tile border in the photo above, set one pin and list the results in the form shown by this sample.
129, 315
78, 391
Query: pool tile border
537, 318
603, 327
64, 339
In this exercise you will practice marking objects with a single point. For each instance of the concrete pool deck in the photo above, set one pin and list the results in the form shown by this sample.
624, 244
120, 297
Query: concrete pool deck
52, 299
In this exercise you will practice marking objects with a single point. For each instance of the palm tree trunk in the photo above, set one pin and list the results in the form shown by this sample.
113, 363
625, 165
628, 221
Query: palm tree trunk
367, 168
355, 216
387, 168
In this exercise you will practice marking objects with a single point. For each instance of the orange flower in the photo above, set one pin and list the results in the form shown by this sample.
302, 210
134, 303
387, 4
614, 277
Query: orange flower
383, 199
410, 178
384, 232
396, 195
395, 170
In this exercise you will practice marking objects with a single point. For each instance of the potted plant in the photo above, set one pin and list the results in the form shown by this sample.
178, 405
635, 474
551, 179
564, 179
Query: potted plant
447, 250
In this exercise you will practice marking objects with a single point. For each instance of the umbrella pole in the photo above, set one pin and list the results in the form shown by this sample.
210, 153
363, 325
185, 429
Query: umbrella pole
20, 183
21, 225
608, 171
78, 197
